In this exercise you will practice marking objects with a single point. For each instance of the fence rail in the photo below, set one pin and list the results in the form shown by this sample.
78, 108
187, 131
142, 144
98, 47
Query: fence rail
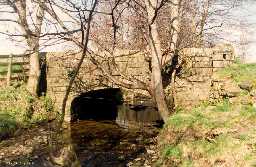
13, 67
14, 56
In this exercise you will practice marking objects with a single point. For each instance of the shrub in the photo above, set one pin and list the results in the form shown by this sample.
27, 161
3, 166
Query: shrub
19, 109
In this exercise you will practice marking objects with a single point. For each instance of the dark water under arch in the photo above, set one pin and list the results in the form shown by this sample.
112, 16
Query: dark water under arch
99, 104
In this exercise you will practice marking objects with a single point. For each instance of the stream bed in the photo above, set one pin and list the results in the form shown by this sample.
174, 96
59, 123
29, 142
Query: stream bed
95, 144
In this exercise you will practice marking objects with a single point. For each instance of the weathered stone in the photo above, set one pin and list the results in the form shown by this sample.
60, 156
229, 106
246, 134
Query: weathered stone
196, 86
202, 64
220, 63
191, 93
246, 101
150, 151
253, 93
246, 85
230, 89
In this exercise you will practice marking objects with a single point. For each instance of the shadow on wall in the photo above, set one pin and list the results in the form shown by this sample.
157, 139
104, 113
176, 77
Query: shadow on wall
97, 105
42, 88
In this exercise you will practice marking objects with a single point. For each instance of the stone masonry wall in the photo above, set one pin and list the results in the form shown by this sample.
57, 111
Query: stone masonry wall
191, 89
198, 85
60, 68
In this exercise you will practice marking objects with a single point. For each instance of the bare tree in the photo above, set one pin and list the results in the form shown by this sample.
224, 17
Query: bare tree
85, 30
30, 23
156, 87
113, 13
115, 25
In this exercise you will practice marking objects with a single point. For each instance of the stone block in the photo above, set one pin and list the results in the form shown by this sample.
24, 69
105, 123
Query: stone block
246, 85
202, 71
201, 58
221, 64
223, 56
202, 64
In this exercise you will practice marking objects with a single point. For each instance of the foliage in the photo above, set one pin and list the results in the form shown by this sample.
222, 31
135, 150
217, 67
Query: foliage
7, 124
19, 109
47, 103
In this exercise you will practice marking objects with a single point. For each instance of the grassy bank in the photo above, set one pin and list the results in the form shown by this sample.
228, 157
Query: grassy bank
240, 72
18, 109
220, 134
208, 135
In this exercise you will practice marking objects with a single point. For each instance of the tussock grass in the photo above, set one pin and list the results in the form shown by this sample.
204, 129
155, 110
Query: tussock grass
210, 134
240, 72
220, 134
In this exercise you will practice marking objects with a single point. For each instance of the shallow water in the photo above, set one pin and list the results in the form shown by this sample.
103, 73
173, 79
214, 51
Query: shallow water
106, 144
95, 144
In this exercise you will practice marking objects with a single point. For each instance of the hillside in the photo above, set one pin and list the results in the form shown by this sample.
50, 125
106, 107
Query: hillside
216, 133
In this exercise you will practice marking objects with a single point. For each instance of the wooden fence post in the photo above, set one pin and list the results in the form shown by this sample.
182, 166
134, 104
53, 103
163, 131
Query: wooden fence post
9, 72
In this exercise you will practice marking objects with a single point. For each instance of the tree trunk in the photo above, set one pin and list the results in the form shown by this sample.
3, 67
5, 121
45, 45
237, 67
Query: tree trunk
157, 91
174, 29
32, 38
34, 73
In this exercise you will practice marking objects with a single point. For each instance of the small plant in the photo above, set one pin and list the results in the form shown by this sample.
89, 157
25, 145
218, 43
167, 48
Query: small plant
70, 73
172, 151
48, 104
179, 109
223, 106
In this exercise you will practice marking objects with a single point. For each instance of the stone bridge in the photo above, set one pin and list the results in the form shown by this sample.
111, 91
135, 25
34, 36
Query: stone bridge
60, 67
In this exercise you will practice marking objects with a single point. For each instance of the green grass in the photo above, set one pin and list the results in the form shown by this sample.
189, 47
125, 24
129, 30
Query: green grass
214, 147
223, 106
248, 112
209, 132
172, 151
240, 72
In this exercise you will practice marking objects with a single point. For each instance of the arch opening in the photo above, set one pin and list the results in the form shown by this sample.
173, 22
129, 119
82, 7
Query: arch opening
97, 105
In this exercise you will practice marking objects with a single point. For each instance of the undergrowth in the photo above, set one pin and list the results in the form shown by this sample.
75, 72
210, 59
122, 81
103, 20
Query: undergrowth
19, 109
209, 134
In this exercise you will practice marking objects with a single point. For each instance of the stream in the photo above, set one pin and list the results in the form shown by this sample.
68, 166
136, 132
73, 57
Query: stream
102, 143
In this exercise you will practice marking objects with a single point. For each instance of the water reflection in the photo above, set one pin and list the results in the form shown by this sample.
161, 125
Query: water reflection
83, 143
105, 144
